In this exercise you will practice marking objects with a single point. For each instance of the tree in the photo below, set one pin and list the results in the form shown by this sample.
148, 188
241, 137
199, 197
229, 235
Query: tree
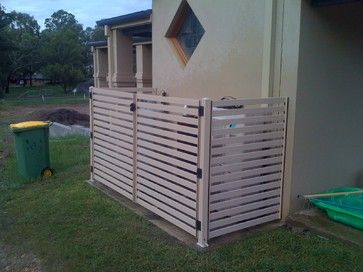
90, 35
24, 59
6, 46
98, 34
62, 20
63, 49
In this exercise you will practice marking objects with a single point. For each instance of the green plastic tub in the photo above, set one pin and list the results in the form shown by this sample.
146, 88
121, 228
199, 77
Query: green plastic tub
32, 148
347, 209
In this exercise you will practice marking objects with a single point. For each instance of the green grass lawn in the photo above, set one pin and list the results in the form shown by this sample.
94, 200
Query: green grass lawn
54, 95
70, 226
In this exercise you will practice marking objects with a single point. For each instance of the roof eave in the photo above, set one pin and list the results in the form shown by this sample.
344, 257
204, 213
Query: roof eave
127, 18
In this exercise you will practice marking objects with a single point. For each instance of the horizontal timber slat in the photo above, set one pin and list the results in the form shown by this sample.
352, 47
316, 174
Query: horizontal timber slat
168, 134
256, 111
244, 216
246, 173
160, 124
111, 144
159, 193
247, 156
244, 147
250, 137
113, 186
171, 100
243, 182
161, 107
247, 120
168, 117
242, 102
227, 204
110, 179
244, 208
113, 100
172, 177
122, 140
157, 156
244, 225
113, 92
164, 182
172, 207
154, 208
229, 195
168, 151
171, 143
111, 107
119, 177
113, 128
124, 121
120, 166
247, 129
115, 114
169, 168
238, 166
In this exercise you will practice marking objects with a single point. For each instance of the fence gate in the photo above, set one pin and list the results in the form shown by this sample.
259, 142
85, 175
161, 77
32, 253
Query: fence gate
112, 139
167, 158
247, 155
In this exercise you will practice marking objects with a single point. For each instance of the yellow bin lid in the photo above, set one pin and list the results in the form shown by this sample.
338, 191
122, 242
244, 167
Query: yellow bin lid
29, 125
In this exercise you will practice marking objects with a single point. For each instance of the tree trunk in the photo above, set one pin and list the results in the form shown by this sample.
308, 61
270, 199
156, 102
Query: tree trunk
65, 87
31, 79
7, 85
24, 80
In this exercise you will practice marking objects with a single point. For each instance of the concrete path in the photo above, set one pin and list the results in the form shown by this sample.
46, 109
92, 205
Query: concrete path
318, 222
60, 130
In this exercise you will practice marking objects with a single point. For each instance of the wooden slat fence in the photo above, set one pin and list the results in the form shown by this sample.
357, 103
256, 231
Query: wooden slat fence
112, 139
167, 158
247, 155
209, 167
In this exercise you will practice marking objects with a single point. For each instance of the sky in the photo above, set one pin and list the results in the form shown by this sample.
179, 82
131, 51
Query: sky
87, 12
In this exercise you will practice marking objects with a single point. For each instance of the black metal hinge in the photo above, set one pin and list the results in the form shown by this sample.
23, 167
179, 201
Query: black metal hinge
92, 168
199, 173
91, 135
90, 95
198, 225
132, 107
200, 111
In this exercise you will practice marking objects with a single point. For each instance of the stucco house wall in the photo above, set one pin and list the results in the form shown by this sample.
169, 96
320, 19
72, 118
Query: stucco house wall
228, 59
328, 146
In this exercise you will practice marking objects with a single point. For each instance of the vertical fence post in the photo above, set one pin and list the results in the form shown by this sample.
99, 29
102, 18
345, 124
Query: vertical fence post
286, 105
91, 130
204, 166
134, 101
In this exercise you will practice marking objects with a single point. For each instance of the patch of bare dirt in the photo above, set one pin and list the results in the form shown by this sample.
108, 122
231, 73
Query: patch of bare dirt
63, 116
67, 115
11, 260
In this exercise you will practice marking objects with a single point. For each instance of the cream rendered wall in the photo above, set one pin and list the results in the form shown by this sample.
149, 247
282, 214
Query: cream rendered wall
328, 141
228, 59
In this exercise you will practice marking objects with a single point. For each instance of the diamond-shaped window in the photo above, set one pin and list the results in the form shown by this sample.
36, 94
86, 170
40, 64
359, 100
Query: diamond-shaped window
185, 31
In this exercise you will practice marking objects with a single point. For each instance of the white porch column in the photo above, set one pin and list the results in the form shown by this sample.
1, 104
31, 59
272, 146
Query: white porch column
123, 75
100, 67
143, 65
110, 55
95, 66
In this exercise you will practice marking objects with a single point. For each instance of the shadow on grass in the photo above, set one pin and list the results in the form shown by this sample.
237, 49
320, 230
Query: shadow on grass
71, 226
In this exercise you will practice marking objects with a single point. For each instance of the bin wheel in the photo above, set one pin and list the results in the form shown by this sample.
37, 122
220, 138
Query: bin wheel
47, 172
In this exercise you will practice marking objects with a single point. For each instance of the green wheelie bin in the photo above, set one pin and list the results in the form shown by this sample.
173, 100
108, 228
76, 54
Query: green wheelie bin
32, 148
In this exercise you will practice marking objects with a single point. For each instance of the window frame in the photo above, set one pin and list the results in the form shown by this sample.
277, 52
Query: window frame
175, 26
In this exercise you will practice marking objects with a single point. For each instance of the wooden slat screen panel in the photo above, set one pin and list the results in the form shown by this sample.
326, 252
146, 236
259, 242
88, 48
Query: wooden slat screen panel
113, 142
247, 156
167, 157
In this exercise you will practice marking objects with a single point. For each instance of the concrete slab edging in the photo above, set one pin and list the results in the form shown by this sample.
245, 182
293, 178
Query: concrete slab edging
178, 234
